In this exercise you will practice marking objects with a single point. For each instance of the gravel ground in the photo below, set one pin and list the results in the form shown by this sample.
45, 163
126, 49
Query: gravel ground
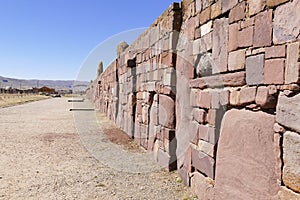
43, 157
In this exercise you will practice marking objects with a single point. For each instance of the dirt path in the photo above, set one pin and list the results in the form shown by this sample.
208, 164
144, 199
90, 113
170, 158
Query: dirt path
42, 157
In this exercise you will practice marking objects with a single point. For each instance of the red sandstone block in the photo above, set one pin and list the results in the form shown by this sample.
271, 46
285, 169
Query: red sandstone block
255, 6
274, 71
248, 22
237, 13
193, 132
216, 9
204, 99
275, 52
220, 45
203, 163
203, 132
245, 37
199, 115
207, 133
215, 100
166, 111
211, 117
224, 97
233, 37
264, 99
236, 60
263, 29
247, 95
235, 98
194, 98
190, 28
204, 16
228, 4
273, 3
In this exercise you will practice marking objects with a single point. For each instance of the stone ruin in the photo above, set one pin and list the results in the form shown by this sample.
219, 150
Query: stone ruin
212, 88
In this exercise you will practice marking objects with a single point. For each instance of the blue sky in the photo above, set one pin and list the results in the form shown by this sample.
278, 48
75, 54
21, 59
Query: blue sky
51, 39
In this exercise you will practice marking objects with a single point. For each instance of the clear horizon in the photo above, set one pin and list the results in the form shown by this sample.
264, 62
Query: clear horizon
50, 40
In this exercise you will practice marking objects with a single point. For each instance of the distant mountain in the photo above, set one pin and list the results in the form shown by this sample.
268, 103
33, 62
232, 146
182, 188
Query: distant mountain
56, 84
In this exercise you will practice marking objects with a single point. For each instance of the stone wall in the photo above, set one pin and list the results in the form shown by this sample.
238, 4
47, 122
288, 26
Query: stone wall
212, 88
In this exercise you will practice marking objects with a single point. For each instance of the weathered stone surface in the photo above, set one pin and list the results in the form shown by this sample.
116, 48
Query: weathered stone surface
288, 111
275, 52
274, 71
201, 186
203, 162
255, 70
263, 29
292, 65
255, 6
235, 98
233, 79
216, 9
272, 3
228, 4
206, 28
245, 157
204, 65
220, 45
247, 95
211, 117
166, 111
237, 13
224, 97
245, 37
199, 115
207, 133
277, 154
286, 22
204, 99
278, 128
286, 194
233, 35
264, 98
204, 16
236, 60
291, 159
215, 100
207, 148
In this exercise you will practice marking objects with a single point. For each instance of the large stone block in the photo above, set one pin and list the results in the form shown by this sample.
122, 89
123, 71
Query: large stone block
288, 112
291, 160
220, 45
275, 52
236, 60
292, 65
245, 37
247, 95
264, 98
263, 29
245, 158
286, 23
203, 162
202, 186
166, 111
274, 71
255, 70
237, 13
228, 4
255, 6
233, 35
272, 3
